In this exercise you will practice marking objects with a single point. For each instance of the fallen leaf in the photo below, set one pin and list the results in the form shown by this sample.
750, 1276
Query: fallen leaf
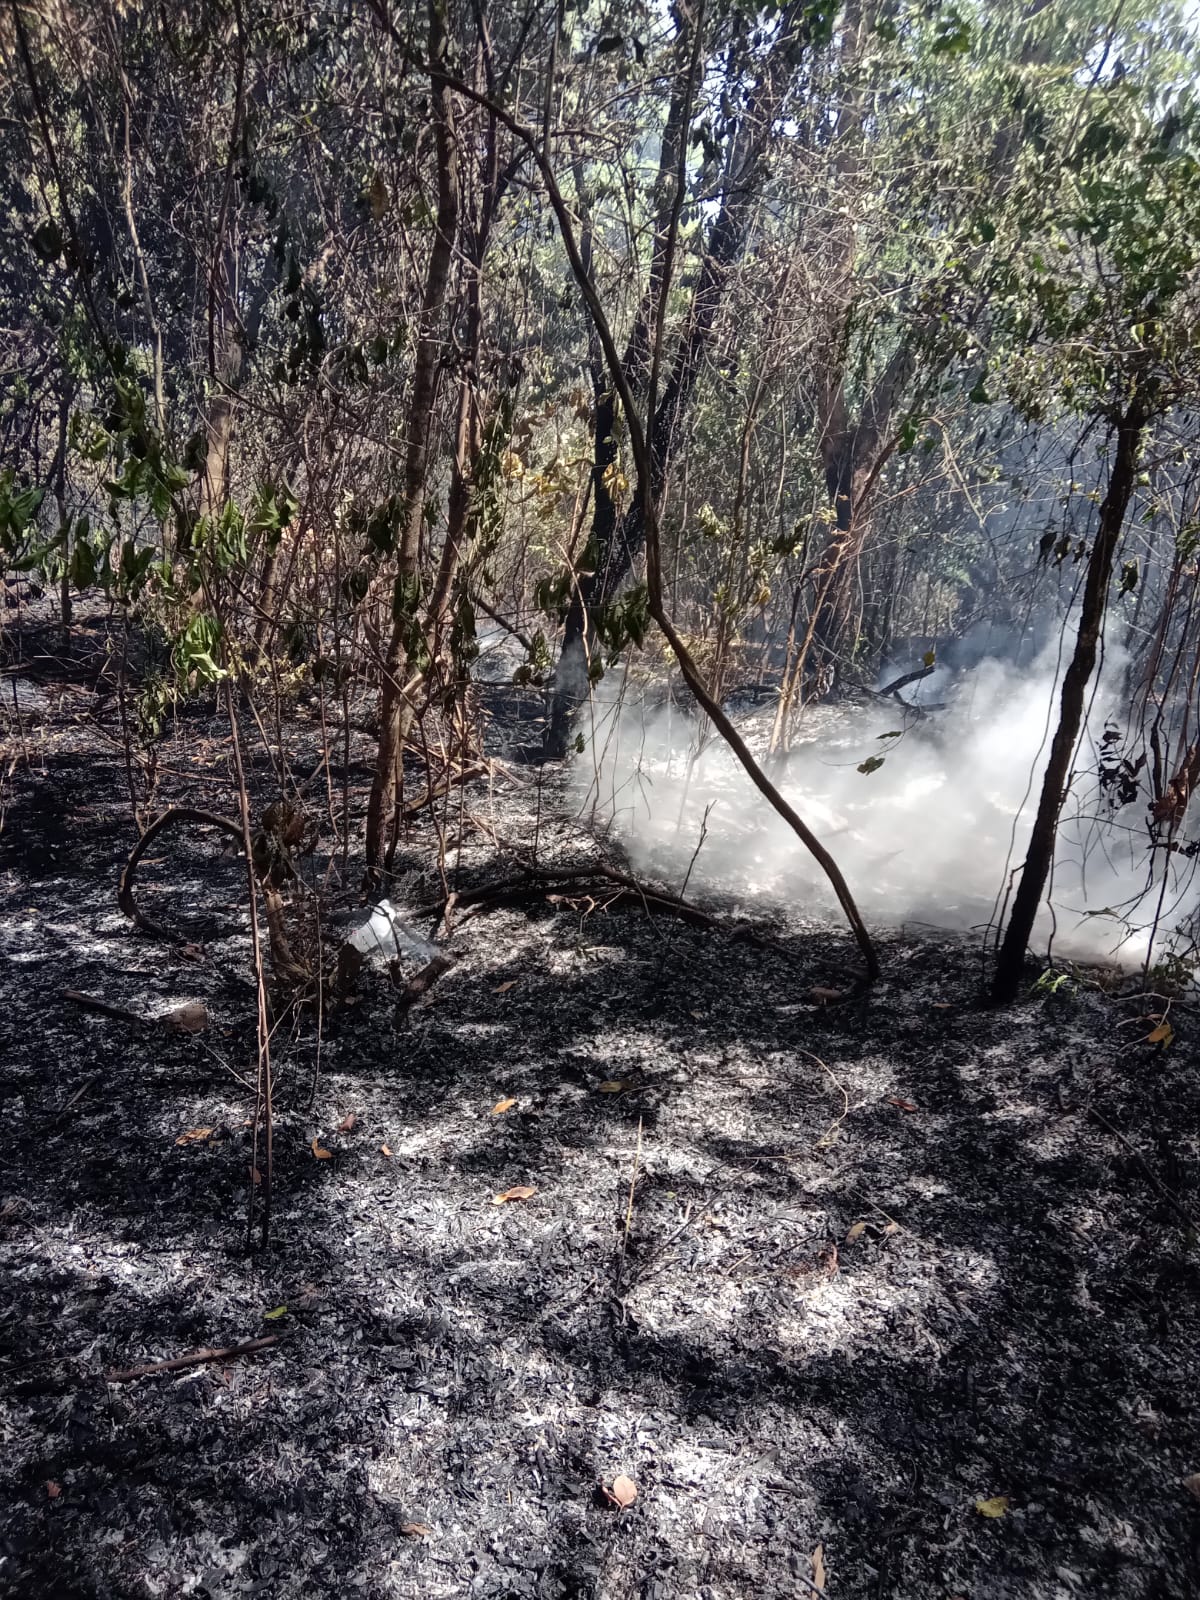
384, 1150
274, 1316
856, 1232
823, 995
502, 1106
818, 1565
902, 1105
623, 1492
892, 1227
941, 1005
193, 1135
191, 1017
415, 1530
613, 1086
53, 1490
255, 1176
503, 988
1192, 1485
1163, 1034
321, 1154
192, 952
308, 1297
995, 1507
520, 1191
347, 1123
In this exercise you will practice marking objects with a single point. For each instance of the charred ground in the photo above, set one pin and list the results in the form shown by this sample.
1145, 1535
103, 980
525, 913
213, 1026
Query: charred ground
884, 1260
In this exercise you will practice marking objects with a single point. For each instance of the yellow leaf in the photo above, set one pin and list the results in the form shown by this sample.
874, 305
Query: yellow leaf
503, 988
995, 1507
502, 1106
856, 1232
614, 1086
321, 1155
192, 1135
929, 657
274, 1316
1163, 1034
520, 1191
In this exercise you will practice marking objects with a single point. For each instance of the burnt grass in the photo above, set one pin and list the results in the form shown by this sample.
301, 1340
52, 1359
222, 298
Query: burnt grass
810, 1274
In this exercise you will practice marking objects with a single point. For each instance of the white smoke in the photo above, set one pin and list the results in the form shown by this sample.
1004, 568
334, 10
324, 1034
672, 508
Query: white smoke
931, 834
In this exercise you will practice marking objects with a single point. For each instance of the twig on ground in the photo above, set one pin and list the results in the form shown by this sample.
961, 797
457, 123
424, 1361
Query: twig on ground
1176, 1206
197, 1358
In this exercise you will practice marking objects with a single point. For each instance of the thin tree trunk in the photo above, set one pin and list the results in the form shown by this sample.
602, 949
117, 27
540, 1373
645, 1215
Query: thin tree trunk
1040, 856
395, 708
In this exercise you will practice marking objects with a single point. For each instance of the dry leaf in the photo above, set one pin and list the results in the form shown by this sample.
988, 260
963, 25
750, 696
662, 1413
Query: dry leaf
415, 1530
901, 1105
505, 987
53, 1490
941, 1005
384, 1150
274, 1316
856, 1232
892, 1227
191, 1017
321, 1154
193, 1135
1192, 1485
623, 1492
995, 1507
255, 1176
192, 952
1163, 1034
824, 996
502, 1106
520, 1191
613, 1086
308, 1297
818, 1565
347, 1123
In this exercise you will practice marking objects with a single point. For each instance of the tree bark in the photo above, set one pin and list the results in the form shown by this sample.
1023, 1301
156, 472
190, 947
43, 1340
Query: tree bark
1039, 859
395, 707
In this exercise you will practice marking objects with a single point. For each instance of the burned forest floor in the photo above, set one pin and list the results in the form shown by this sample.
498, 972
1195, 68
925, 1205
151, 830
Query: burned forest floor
882, 1296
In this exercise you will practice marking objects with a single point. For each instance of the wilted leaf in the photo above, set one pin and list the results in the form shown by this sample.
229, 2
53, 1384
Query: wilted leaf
613, 1086
870, 765
929, 658
1163, 1034
901, 1105
503, 988
856, 1232
818, 1565
1192, 1485
384, 1150
53, 1490
193, 1136
320, 1153
274, 1316
191, 1017
504, 1105
995, 1507
415, 1530
623, 1492
347, 1123
520, 1191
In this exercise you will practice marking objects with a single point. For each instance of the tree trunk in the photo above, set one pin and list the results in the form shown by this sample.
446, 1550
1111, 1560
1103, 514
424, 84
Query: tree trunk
395, 707
1040, 856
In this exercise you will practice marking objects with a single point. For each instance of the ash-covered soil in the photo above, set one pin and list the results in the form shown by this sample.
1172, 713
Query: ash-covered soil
822, 1279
